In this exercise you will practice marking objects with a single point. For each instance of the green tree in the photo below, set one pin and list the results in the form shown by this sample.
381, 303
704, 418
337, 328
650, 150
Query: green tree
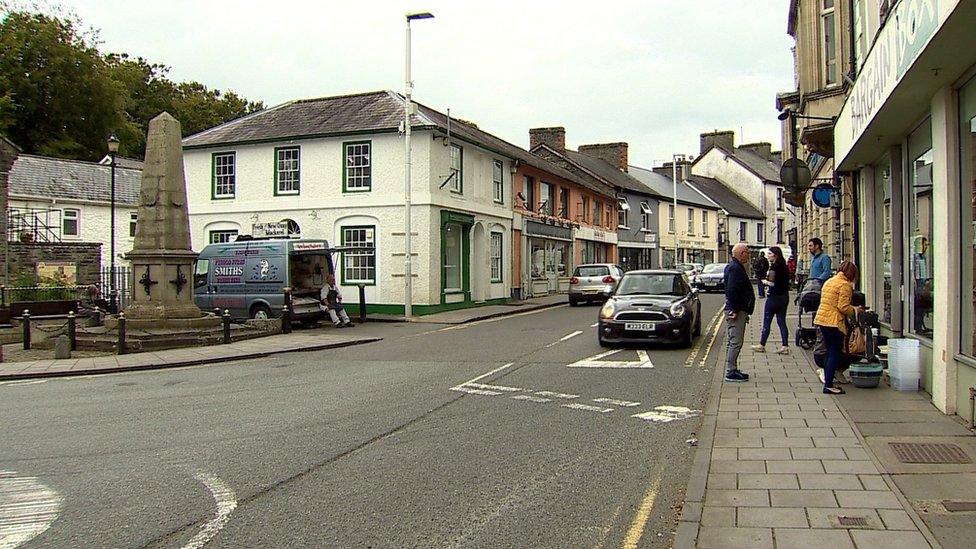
59, 98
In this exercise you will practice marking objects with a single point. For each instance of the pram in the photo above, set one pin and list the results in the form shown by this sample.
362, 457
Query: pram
808, 301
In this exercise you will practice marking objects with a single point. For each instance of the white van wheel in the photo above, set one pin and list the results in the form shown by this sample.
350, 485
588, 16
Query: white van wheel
260, 313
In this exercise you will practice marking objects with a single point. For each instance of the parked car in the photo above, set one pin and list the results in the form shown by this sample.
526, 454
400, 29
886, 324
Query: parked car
711, 278
690, 269
593, 282
652, 305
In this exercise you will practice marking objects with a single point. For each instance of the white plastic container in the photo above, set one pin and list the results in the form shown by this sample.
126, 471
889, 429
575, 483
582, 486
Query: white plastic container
905, 383
903, 358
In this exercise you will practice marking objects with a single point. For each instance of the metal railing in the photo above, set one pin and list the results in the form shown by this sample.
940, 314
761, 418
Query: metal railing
34, 225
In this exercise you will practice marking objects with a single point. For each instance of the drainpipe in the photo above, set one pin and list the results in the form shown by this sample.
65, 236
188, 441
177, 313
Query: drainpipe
852, 35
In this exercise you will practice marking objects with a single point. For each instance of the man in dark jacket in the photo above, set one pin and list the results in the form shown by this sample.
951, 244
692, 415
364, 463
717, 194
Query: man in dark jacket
760, 268
740, 302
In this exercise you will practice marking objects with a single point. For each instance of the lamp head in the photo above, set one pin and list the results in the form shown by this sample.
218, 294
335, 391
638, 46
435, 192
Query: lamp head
422, 15
113, 144
785, 114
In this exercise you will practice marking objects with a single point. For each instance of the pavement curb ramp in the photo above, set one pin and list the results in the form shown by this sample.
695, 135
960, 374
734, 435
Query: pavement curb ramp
187, 362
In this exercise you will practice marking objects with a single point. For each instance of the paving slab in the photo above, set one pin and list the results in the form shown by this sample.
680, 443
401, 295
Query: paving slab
889, 540
812, 539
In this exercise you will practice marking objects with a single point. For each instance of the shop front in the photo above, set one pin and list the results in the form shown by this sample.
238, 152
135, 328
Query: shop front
549, 262
638, 255
595, 246
906, 141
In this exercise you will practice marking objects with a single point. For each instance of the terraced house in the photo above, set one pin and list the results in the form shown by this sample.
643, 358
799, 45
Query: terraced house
333, 168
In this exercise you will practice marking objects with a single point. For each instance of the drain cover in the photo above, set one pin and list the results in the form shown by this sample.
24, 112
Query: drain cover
853, 521
909, 452
959, 506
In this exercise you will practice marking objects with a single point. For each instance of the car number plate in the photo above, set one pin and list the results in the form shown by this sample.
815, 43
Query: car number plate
587, 292
639, 326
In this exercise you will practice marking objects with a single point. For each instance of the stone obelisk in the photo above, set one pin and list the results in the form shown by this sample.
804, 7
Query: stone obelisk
162, 259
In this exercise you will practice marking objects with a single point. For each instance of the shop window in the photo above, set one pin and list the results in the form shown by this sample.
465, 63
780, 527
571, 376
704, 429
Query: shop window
884, 247
967, 156
452, 257
921, 275
564, 202
550, 258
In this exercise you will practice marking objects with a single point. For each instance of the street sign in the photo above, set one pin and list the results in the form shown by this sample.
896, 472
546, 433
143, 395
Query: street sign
795, 175
795, 199
823, 195
269, 230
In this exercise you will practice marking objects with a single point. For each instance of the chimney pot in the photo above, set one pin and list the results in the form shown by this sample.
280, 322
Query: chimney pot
725, 139
613, 153
554, 137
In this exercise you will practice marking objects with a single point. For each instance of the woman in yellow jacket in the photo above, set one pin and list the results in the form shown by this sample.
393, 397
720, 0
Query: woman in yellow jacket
835, 307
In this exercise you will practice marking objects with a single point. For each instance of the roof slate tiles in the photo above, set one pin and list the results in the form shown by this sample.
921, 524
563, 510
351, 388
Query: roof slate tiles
57, 178
725, 197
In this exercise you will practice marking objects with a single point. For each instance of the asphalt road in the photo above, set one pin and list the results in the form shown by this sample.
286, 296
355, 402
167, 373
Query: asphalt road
478, 435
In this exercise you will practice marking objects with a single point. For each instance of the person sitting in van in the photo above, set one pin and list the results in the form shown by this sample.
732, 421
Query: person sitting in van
332, 303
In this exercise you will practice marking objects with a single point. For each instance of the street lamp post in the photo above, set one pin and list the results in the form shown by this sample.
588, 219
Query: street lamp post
407, 108
674, 218
113, 149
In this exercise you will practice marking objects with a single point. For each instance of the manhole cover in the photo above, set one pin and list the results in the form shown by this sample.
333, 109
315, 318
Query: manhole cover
853, 521
908, 452
959, 506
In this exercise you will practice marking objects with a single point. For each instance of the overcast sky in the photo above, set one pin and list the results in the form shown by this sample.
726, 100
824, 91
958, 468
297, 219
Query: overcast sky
653, 73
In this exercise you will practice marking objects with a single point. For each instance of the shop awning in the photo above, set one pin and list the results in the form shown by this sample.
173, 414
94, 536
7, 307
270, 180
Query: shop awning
819, 138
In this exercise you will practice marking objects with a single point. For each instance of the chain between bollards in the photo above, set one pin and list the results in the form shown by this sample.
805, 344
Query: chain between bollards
226, 322
27, 330
72, 330
121, 347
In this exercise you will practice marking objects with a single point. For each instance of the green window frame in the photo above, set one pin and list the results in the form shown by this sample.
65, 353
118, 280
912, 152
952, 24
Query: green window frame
358, 267
223, 175
357, 166
220, 237
457, 169
287, 171
496, 245
498, 181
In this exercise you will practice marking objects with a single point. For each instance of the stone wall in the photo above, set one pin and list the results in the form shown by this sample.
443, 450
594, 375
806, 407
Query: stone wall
86, 257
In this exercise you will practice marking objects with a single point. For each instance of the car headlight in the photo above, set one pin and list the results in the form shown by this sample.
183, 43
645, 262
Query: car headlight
678, 310
606, 312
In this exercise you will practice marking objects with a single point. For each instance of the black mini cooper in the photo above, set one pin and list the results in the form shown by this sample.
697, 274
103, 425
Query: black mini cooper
651, 306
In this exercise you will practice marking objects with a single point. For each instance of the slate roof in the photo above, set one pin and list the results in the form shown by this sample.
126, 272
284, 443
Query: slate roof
766, 169
665, 186
725, 197
45, 177
371, 112
609, 173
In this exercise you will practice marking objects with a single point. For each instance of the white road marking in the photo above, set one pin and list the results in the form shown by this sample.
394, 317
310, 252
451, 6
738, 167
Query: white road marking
615, 402
483, 376
23, 382
556, 395
594, 325
531, 398
226, 502
495, 387
564, 338
481, 392
588, 408
690, 361
667, 414
27, 509
595, 361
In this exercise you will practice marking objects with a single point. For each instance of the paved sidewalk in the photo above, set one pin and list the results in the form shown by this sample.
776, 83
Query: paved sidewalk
780, 465
252, 348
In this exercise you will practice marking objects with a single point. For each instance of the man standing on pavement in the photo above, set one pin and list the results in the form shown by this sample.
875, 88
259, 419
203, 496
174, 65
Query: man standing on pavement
740, 301
820, 262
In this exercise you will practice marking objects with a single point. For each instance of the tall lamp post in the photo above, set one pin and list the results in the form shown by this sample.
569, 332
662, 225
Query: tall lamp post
113, 149
407, 108
674, 218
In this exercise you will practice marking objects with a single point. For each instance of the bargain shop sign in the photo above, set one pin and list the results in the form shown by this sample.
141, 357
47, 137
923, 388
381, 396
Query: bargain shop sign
908, 29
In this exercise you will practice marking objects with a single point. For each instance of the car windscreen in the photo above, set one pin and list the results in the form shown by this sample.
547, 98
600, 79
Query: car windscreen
712, 268
650, 284
592, 270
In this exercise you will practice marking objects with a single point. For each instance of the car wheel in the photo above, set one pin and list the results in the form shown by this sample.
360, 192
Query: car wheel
689, 339
573, 302
260, 312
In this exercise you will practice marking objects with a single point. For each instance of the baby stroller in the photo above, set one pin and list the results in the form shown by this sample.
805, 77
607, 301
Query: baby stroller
808, 301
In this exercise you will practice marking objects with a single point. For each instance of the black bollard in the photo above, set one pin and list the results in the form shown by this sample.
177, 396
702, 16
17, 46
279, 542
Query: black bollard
217, 311
72, 327
27, 330
122, 348
285, 319
226, 320
288, 299
362, 303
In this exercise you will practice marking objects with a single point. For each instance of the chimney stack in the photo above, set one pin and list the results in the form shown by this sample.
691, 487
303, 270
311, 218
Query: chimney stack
724, 139
554, 137
763, 149
613, 153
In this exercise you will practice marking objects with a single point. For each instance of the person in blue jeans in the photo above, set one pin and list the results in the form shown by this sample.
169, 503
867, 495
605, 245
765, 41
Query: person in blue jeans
777, 300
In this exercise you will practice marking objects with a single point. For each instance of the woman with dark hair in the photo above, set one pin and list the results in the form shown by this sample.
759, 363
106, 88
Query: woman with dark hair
777, 300
831, 320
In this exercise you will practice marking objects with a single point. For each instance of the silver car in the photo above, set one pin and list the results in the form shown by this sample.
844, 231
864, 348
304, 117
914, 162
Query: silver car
593, 282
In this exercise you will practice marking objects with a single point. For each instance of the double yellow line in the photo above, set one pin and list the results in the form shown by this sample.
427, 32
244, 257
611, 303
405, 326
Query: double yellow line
711, 333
